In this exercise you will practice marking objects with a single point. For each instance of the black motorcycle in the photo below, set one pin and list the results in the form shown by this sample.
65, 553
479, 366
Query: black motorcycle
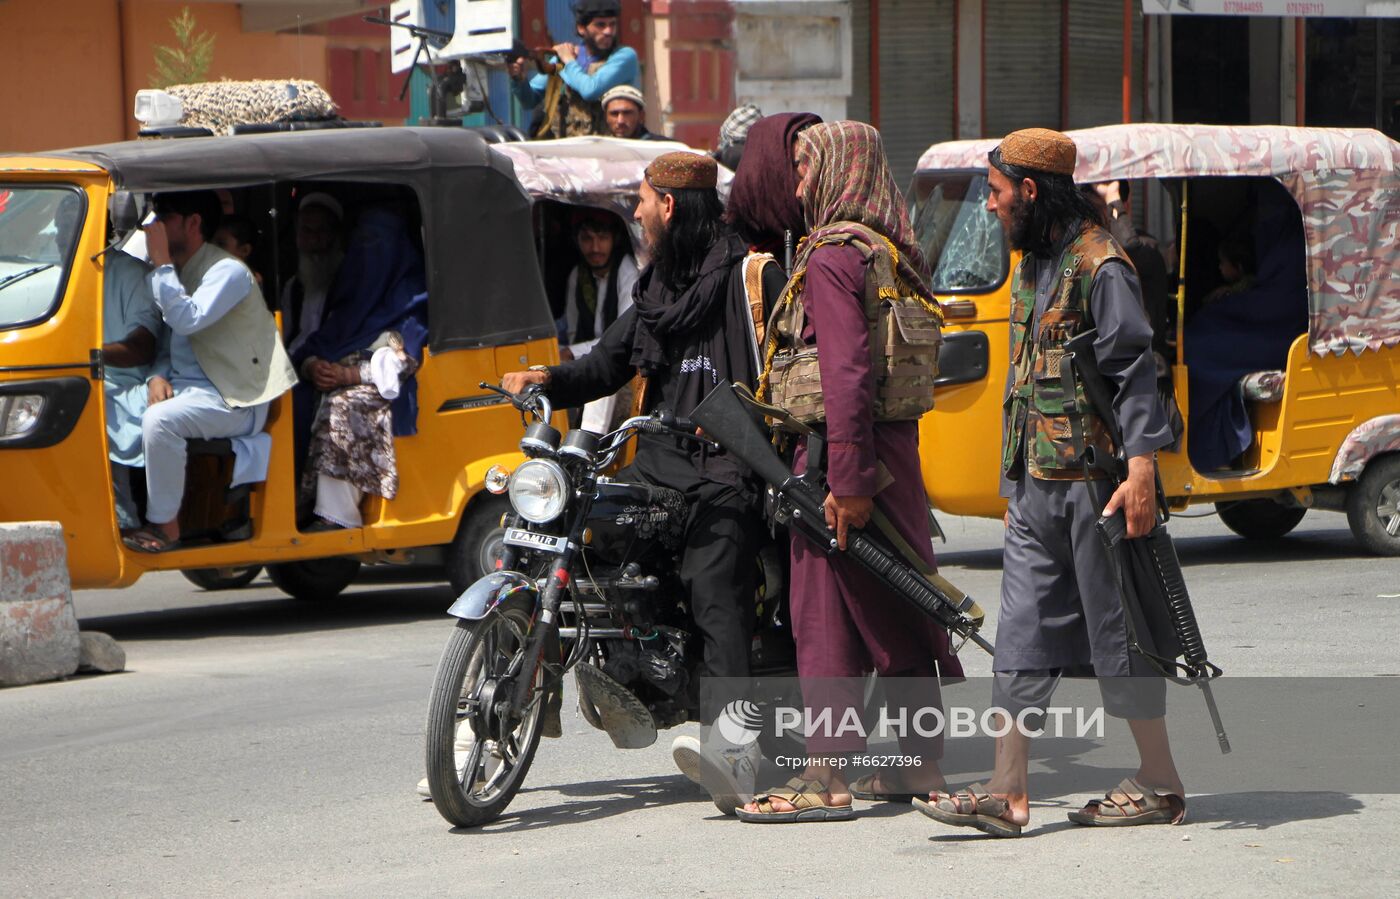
587, 583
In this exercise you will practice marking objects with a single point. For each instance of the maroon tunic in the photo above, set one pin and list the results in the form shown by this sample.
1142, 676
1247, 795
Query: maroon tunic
846, 623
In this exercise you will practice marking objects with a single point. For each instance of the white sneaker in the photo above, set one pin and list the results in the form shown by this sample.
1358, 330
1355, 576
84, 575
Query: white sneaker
728, 774
461, 748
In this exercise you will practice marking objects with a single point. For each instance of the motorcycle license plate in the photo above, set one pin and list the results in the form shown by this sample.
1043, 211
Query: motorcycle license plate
528, 540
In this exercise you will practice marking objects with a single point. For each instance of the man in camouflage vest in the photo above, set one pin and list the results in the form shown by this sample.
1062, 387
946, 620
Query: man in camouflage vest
569, 100
852, 350
1061, 612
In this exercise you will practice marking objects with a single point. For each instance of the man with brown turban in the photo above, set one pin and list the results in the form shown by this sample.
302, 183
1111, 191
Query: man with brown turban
1061, 613
859, 246
687, 332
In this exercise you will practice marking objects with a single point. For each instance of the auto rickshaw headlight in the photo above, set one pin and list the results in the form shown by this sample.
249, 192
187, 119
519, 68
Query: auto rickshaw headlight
497, 480
20, 414
539, 490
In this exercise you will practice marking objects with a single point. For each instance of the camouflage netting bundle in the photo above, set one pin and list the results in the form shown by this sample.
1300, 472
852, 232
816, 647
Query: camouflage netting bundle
219, 105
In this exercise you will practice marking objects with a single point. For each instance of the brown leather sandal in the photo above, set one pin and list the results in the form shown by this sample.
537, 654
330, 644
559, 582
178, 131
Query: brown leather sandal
864, 789
970, 807
805, 797
1129, 804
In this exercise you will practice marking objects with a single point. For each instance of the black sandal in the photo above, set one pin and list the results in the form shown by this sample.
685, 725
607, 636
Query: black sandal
150, 540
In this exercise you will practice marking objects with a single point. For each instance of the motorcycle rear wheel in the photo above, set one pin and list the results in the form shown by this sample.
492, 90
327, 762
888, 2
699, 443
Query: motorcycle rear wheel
475, 790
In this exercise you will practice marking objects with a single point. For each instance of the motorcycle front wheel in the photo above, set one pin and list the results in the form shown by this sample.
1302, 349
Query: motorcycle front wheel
479, 749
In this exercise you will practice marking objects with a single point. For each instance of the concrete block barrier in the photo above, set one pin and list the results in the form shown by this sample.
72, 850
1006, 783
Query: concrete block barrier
38, 630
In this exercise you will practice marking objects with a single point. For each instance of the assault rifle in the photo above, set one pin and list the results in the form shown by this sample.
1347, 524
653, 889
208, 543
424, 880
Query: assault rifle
1162, 625
730, 421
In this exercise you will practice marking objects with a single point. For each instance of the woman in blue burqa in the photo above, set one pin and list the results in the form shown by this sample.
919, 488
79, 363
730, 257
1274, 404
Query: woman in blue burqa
358, 389
1244, 331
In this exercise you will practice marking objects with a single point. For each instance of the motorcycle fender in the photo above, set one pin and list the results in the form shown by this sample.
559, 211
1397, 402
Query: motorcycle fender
490, 591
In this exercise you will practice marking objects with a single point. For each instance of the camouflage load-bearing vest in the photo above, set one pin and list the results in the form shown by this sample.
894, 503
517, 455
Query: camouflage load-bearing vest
1038, 435
566, 114
904, 337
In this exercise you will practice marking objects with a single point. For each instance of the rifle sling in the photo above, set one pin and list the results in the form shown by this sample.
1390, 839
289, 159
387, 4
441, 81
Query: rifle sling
901, 546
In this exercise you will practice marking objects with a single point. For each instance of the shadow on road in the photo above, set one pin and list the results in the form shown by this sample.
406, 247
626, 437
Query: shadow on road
1299, 546
977, 560
389, 600
1259, 810
1318, 545
594, 801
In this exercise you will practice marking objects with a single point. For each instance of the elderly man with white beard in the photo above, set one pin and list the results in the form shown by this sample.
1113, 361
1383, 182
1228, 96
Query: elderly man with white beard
320, 233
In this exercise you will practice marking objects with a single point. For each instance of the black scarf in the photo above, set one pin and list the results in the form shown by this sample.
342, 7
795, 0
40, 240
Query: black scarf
698, 333
586, 302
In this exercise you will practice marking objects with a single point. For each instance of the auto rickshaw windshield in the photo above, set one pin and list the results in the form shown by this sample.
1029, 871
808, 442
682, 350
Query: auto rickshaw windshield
38, 229
962, 241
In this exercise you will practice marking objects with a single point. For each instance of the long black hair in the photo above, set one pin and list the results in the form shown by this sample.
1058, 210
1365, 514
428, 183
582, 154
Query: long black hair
1057, 203
696, 223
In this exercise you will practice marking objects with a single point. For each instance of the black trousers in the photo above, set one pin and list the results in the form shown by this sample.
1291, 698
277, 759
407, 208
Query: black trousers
719, 569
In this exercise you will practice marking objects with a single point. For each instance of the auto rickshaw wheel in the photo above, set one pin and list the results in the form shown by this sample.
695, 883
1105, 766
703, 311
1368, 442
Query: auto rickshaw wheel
1260, 519
314, 579
478, 544
222, 578
1373, 507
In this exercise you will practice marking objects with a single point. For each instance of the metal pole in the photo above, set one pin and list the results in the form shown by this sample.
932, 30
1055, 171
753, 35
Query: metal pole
875, 63
1380, 75
1181, 276
1300, 70
1127, 61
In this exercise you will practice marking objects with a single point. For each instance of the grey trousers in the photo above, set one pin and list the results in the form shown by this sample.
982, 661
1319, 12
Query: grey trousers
1061, 613
193, 412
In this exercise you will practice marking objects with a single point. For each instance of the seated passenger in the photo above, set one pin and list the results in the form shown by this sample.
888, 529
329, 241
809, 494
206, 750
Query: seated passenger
1236, 257
131, 330
320, 233
361, 363
226, 361
1247, 330
238, 236
599, 290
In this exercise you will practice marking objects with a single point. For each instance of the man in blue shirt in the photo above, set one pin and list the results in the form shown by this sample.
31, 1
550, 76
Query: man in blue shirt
225, 363
568, 100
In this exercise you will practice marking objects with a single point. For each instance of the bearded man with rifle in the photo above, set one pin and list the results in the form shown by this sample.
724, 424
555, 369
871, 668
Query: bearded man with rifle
1063, 612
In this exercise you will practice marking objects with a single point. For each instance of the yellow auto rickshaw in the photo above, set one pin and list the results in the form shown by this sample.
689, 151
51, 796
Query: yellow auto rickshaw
1316, 425
487, 314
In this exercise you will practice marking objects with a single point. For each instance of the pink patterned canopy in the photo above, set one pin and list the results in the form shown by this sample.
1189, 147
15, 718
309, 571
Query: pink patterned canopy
604, 172
1345, 181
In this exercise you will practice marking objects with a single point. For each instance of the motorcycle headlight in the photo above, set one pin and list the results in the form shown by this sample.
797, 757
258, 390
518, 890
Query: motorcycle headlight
539, 490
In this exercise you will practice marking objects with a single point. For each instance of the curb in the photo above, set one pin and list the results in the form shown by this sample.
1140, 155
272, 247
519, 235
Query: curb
38, 629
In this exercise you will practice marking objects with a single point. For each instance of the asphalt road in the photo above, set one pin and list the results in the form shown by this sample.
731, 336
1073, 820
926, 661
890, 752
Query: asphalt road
258, 745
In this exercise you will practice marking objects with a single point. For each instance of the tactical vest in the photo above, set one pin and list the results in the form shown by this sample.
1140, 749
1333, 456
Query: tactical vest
1037, 430
904, 332
567, 114
241, 353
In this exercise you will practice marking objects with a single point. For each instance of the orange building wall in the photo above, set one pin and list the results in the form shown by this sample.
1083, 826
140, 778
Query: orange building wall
60, 70
70, 69
146, 24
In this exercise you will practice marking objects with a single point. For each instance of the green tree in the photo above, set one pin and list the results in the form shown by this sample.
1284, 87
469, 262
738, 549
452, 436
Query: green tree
188, 61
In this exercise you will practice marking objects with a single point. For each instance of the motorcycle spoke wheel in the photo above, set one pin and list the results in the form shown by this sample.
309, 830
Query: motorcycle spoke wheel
478, 750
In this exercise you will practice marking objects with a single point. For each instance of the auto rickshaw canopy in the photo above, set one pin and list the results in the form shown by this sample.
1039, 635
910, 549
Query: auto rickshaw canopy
484, 284
603, 172
1345, 181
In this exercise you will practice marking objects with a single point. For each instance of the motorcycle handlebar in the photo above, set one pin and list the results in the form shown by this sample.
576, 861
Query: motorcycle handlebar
532, 399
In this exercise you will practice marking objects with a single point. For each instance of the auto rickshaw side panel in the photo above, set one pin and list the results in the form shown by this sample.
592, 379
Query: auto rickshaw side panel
459, 427
960, 440
68, 481
1297, 439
